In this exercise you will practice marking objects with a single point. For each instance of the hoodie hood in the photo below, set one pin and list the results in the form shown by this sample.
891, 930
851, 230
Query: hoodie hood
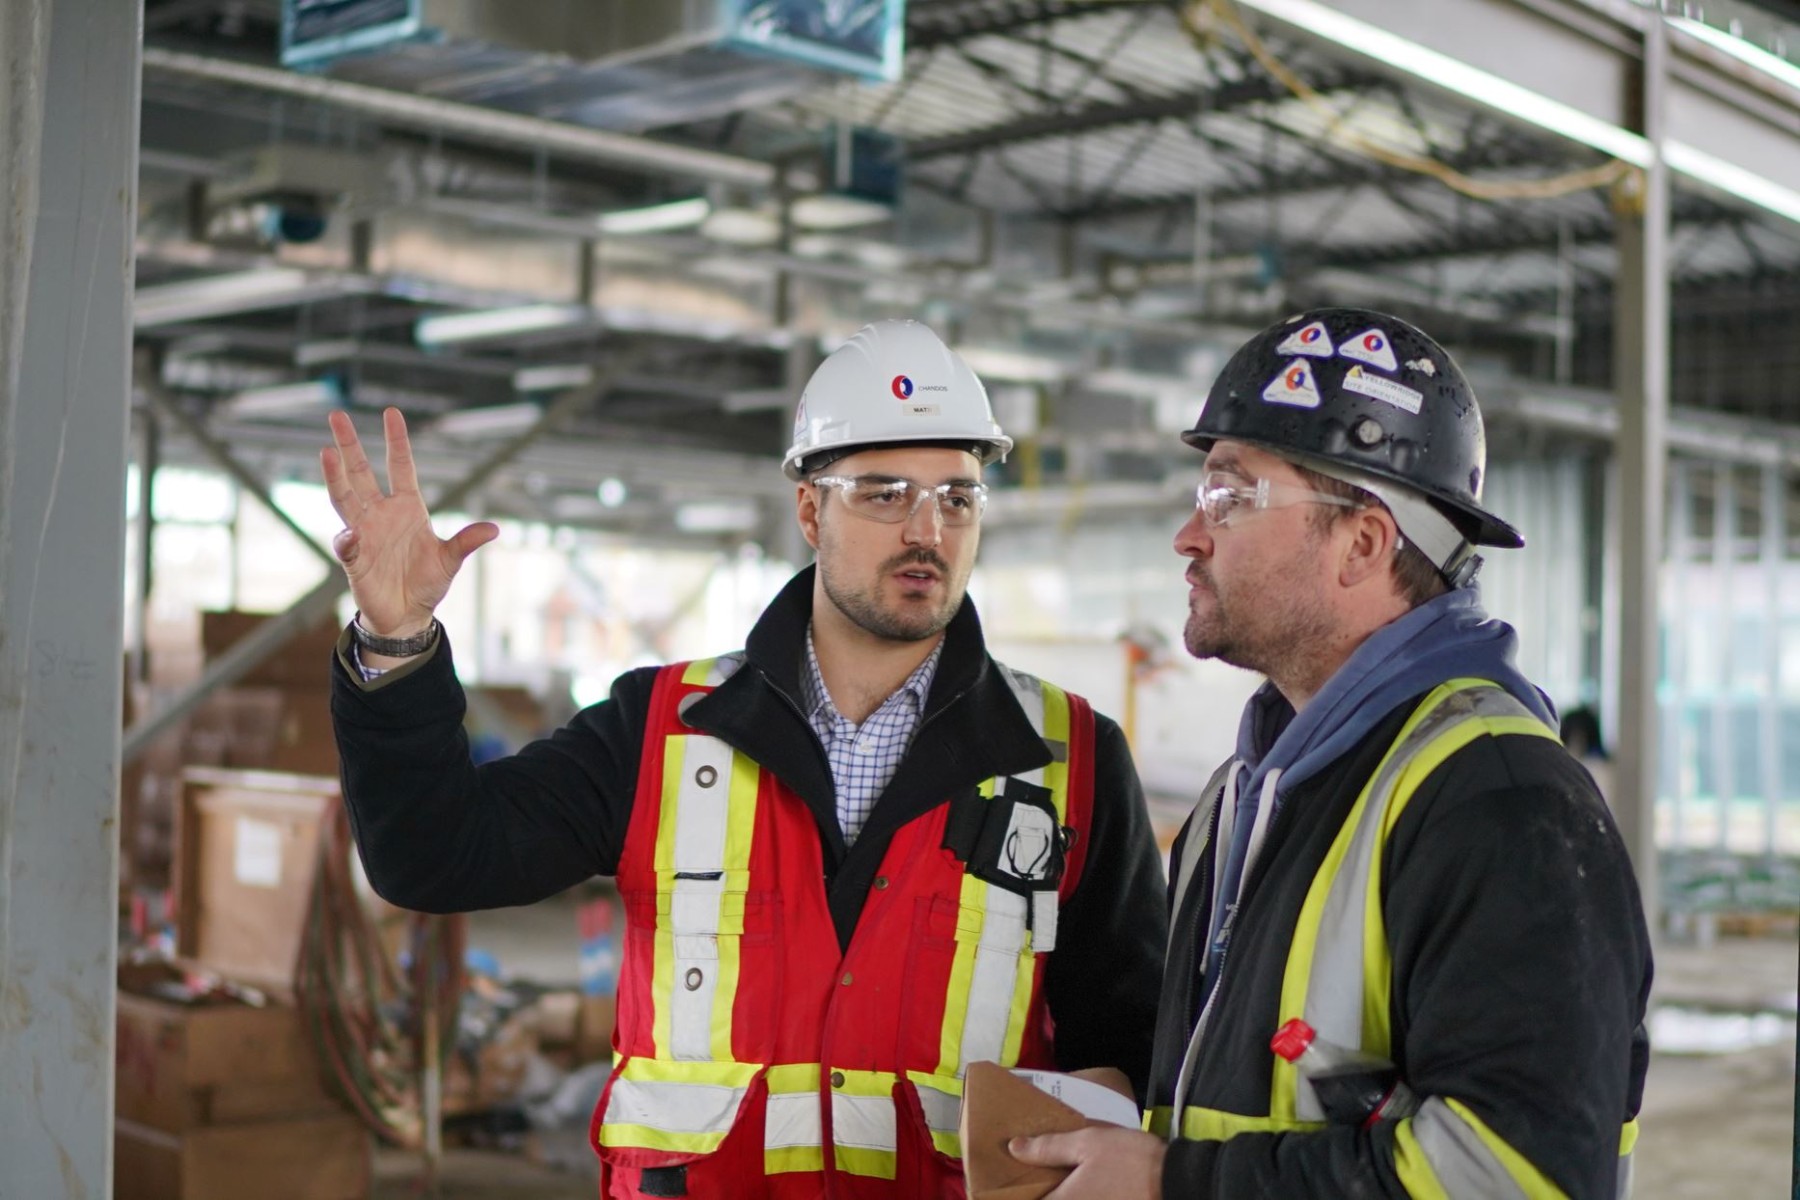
1449, 637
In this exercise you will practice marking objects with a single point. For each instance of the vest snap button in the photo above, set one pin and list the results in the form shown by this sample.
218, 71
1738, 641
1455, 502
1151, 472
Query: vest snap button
706, 776
695, 977
880, 882
837, 1079
846, 979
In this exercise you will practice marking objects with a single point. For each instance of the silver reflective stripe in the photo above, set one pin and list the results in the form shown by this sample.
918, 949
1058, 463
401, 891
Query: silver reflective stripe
723, 668
1623, 1191
996, 971
793, 1120
864, 1121
942, 1110
1043, 922
697, 893
674, 1107
1335, 987
1459, 1158
1028, 690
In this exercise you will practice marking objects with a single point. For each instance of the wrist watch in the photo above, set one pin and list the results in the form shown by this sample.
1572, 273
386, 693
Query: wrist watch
393, 647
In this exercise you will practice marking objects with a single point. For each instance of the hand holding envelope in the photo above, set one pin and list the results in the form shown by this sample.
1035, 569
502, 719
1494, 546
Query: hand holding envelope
999, 1105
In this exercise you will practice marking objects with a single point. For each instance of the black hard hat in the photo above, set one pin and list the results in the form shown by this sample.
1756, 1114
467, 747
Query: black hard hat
1366, 391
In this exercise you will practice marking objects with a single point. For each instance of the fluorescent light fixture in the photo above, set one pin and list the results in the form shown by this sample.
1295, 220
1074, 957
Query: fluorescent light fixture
1019, 366
552, 377
833, 210
284, 400
1742, 50
500, 322
611, 492
500, 420
312, 354
1728, 177
238, 292
741, 227
716, 516
1453, 75
657, 218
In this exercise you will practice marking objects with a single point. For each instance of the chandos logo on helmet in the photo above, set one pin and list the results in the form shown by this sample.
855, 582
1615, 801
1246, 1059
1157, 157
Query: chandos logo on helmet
903, 387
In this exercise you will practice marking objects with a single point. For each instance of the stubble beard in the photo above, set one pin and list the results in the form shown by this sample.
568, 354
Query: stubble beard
913, 621
1275, 634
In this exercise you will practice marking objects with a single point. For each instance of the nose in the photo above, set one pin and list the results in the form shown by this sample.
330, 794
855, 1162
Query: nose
1194, 538
924, 525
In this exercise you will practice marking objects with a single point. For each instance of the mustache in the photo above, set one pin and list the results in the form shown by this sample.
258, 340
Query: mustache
920, 557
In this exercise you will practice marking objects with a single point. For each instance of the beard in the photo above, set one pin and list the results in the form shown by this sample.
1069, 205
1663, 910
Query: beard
910, 620
1266, 626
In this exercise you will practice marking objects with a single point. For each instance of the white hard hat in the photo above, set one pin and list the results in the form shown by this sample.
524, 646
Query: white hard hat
895, 381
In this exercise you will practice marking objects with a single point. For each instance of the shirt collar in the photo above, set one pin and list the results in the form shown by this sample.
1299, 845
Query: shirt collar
814, 698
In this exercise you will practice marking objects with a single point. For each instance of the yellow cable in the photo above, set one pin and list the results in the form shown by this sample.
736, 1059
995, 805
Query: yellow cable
1605, 175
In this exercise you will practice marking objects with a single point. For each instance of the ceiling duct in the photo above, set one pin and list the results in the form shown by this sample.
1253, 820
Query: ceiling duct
612, 64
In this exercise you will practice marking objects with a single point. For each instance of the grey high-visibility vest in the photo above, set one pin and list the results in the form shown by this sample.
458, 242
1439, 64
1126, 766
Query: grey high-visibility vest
1339, 971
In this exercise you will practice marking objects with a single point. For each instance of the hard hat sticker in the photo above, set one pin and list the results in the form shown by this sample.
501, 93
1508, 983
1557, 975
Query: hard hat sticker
920, 410
1311, 340
1385, 390
903, 387
1371, 346
1293, 386
800, 419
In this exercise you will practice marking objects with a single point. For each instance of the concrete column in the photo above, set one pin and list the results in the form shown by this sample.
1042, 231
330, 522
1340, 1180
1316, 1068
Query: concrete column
1641, 379
68, 184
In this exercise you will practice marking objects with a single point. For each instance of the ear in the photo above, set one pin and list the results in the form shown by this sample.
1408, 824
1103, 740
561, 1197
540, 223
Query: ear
1368, 539
806, 512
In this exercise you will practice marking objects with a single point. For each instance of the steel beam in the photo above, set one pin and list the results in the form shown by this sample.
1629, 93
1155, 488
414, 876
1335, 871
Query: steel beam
256, 646
68, 208
1641, 380
1568, 69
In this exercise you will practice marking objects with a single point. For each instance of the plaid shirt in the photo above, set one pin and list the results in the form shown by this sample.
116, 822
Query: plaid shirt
864, 757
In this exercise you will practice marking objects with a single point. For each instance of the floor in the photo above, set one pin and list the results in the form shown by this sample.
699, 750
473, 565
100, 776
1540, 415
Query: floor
1714, 1124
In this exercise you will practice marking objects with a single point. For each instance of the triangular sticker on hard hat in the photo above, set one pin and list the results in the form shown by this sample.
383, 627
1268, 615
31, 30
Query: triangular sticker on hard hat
1385, 390
800, 419
1371, 346
1311, 340
1293, 386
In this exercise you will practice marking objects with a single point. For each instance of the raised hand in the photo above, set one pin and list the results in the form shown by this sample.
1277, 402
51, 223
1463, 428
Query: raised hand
399, 568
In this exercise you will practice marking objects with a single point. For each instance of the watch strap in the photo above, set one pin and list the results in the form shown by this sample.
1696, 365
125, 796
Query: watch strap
394, 647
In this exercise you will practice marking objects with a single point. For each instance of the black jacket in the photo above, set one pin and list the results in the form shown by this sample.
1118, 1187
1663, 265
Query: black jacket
1521, 969
438, 834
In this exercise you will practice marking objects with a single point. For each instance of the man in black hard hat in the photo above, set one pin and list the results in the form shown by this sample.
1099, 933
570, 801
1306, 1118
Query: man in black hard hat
1402, 870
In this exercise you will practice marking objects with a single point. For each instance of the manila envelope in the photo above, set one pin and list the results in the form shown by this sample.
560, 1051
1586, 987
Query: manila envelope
998, 1106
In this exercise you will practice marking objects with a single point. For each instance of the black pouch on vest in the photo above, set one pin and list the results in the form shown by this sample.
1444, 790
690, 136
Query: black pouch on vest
1012, 841
663, 1181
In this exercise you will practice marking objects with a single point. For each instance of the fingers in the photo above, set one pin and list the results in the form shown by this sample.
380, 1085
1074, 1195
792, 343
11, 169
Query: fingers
358, 475
346, 545
1046, 1150
403, 476
469, 539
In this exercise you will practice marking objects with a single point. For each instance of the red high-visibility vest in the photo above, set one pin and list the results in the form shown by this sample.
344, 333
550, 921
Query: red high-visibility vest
755, 1060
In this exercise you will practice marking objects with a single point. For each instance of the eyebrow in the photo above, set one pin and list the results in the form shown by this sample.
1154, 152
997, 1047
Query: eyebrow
1227, 463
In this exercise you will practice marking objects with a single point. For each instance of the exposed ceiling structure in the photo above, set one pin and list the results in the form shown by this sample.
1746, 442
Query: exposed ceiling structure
1092, 199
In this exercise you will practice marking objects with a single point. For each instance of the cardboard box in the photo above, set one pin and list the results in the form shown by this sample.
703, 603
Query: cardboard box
309, 1158
246, 850
304, 660
999, 1106
187, 1066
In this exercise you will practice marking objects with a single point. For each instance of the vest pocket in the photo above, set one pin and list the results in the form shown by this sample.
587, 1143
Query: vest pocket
923, 1164
668, 1128
970, 980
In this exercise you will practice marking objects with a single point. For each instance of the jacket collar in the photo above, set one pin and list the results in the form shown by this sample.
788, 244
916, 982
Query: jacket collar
972, 728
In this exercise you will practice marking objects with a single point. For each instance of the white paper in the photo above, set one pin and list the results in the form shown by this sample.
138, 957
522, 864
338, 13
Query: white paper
256, 857
1090, 1099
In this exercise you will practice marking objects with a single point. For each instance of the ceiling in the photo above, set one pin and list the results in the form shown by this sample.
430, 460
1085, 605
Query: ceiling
1097, 200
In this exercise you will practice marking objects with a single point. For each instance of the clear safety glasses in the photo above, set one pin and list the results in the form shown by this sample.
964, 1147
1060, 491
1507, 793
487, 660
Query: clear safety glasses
1222, 497
889, 500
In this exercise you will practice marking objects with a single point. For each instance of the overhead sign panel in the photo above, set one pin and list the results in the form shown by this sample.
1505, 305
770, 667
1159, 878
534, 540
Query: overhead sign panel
860, 37
314, 32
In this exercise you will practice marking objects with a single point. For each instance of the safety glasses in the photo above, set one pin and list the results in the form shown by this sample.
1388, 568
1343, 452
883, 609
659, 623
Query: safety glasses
1221, 497
891, 500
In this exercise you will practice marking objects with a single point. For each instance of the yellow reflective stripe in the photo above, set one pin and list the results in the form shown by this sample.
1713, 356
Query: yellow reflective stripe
1213, 1125
662, 1070
793, 1077
1056, 729
793, 1158
740, 823
940, 1099
697, 671
1628, 1136
1533, 1182
863, 1123
644, 1137
973, 899
1413, 1168
663, 859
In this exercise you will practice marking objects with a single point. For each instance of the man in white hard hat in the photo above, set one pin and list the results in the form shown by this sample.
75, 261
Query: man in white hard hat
855, 856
